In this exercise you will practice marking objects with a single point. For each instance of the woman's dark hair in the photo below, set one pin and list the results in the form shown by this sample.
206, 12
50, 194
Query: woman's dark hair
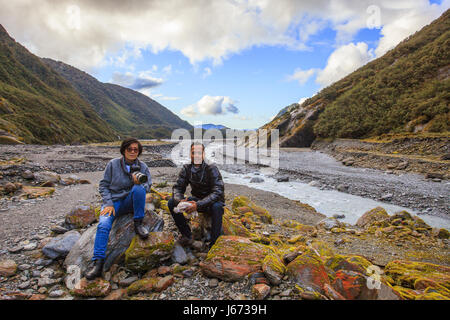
127, 142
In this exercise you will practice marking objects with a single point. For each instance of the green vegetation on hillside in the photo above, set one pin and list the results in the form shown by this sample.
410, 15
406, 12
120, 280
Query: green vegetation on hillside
406, 90
129, 112
39, 106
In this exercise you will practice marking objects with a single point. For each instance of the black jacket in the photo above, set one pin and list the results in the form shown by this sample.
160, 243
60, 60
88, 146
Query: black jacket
206, 184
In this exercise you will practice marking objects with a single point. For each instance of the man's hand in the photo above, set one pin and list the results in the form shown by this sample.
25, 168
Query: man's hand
108, 210
192, 208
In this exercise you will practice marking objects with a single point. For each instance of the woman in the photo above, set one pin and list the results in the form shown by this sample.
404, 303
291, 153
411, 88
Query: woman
122, 192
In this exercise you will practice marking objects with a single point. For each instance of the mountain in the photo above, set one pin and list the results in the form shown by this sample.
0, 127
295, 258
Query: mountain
407, 90
39, 106
211, 126
127, 111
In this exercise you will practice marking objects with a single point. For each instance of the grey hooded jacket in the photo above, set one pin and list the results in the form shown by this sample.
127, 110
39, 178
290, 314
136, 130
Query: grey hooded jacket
117, 181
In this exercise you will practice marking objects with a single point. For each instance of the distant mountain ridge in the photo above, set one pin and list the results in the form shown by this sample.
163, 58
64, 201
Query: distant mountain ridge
207, 126
407, 90
43, 101
127, 111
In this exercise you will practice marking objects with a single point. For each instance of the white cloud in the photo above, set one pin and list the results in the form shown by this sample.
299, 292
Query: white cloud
189, 111
167, 69
302, 75
211, 105
140, 82
243, 118
302, 100
343, 61
206, 72
89, 33
407, 21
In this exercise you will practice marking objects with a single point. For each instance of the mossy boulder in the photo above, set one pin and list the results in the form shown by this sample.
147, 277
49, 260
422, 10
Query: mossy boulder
273, 268
348, 262
242, 205
357, 286
233, 257
94, 288
308, 272
36, 192
322, 249
120, 236
420, 276
371, 216
143, 285
233, 227
80, 217
143, 255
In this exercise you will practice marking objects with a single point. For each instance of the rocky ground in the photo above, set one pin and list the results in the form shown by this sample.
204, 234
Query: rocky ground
268, 241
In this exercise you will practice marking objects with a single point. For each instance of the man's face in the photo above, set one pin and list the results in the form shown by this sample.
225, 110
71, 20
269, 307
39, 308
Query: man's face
197, 154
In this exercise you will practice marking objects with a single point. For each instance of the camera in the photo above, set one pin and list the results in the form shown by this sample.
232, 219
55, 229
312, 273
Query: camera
135, 169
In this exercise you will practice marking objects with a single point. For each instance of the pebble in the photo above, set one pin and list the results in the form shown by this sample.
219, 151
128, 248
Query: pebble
15, 249
213, 283
23, 266
30, 246
56, 293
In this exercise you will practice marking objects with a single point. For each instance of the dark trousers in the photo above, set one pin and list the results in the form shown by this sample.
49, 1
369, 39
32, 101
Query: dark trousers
215, 210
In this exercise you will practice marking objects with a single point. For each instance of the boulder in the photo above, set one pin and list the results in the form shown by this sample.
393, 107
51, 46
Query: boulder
120, 237
273, 268
179, 255
60, 246
233, 257
419, 276
330, 223
93, 288
349, 263
143, 285
45, 176
371, 216
8, 268
30, 192
80, 217
357, 286
143, 255
308, 271
242, 201
256, 180
260, 291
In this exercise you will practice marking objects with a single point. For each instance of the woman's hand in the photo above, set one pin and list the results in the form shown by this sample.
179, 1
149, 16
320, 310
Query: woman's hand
108, 210
135, 180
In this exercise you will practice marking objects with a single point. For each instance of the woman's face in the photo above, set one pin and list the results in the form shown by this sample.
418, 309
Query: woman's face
131, 152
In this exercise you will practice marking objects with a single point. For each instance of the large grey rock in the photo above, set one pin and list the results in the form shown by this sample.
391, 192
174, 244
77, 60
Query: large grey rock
120, 237
329, 223
256, 180
179, 255
61, 245
43, 176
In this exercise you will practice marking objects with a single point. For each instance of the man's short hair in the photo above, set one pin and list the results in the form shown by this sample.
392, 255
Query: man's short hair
127, 142
196, 143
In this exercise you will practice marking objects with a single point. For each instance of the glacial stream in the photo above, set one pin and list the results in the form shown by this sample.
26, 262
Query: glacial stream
328, 202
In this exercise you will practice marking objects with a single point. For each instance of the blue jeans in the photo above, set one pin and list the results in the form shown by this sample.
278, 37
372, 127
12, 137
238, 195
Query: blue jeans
134, 202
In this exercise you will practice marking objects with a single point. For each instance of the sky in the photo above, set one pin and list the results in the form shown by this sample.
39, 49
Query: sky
231, 62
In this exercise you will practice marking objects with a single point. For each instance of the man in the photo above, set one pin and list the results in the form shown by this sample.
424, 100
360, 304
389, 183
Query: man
207, 194
122, 192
